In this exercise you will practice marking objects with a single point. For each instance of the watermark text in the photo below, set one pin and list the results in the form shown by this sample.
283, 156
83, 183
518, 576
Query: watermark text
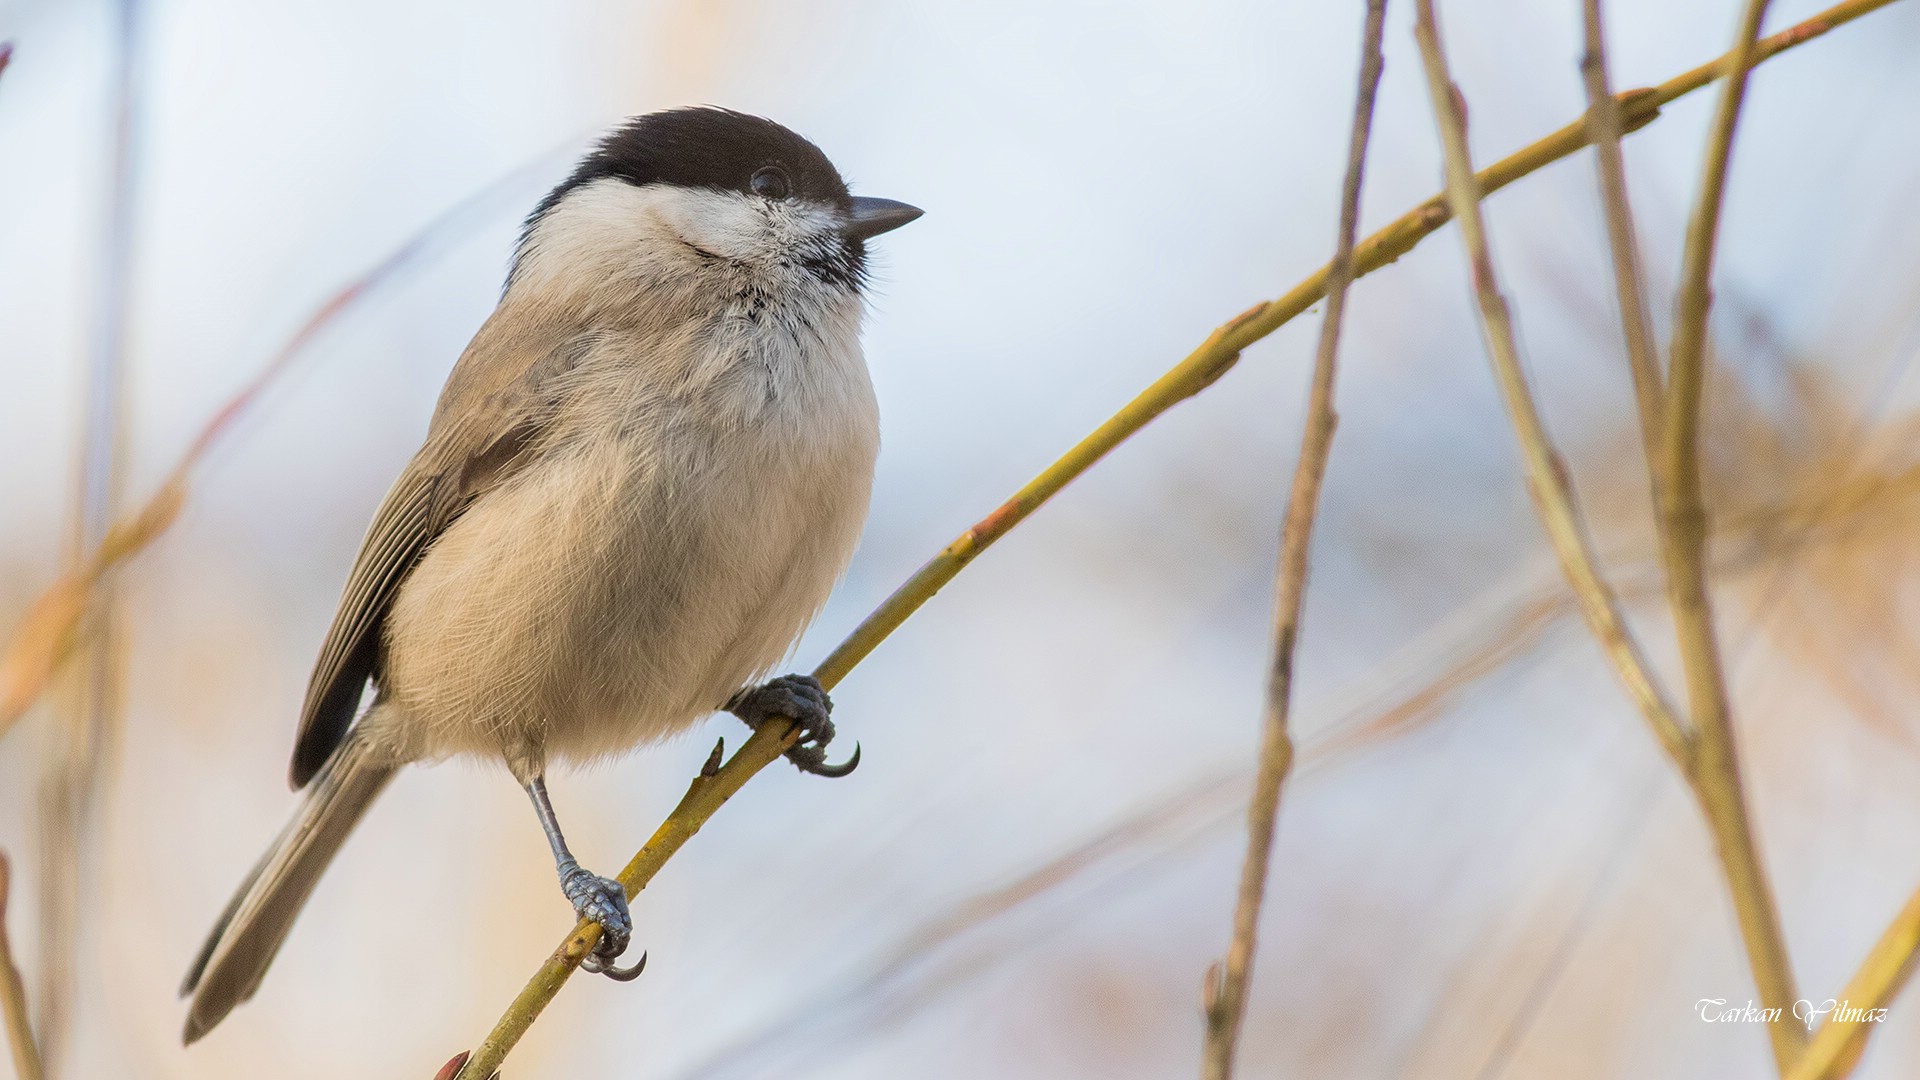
1719, 1011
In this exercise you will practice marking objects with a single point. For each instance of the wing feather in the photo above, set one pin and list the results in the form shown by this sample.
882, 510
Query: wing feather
401, 531
496, 405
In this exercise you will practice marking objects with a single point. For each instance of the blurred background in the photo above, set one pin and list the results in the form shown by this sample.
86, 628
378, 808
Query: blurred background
1485, 867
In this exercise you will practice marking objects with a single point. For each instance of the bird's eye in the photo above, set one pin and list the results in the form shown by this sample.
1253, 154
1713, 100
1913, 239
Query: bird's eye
771, 183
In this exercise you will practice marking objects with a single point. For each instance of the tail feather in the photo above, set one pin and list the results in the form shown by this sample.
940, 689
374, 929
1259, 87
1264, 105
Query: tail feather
243, 943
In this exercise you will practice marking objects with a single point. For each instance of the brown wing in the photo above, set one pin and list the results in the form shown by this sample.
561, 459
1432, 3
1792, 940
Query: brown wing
401, 531
488, 418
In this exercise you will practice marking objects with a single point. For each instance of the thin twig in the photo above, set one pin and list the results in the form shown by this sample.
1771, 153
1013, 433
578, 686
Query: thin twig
1716, 779
1605, 128
1837, 1047
1226, 987
1213, 358
1708, 758
1546, 473
13, 993
89, 709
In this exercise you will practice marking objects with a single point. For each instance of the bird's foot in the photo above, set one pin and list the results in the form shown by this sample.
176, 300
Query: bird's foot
604, 901
802, 699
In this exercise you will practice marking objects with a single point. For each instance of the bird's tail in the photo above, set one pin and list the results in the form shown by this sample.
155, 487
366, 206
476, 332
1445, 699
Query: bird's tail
244, 941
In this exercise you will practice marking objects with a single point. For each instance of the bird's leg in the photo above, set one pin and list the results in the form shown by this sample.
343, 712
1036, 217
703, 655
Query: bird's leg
603, 900
803, 700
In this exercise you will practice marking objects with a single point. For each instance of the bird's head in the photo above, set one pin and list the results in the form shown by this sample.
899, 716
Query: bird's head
698, 193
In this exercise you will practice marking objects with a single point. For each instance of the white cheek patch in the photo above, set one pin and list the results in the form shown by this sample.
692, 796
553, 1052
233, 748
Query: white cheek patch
743, 228
610, 228
723, 223
592, 234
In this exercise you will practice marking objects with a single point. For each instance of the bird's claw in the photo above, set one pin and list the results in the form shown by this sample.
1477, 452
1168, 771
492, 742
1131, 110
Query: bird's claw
604, 901
805, 701
812, 758
594, 964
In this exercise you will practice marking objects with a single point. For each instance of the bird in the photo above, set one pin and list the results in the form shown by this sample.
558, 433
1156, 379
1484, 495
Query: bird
643, 478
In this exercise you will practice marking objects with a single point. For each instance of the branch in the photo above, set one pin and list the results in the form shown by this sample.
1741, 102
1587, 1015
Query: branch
1716, 777
1605, 128
13, 992
1218, 353
1705, 754
90, 713
1546, 473
1226, 996
1836, 1049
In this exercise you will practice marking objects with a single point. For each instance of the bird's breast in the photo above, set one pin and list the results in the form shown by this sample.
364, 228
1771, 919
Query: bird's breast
665, 546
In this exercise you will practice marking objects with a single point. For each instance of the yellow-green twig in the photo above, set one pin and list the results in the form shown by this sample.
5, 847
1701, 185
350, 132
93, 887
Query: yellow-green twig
1226, 997
1605, 128
1837, 1047
1218, 353
1716, 778
1705, 750
13, 992
1545, 472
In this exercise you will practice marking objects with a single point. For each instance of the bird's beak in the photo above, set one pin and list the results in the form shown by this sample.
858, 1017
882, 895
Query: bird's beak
871, 217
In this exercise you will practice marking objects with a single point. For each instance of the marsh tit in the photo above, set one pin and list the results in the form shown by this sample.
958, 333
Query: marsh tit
642, 479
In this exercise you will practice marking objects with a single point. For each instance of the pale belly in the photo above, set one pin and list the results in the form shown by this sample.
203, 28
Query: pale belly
602, 600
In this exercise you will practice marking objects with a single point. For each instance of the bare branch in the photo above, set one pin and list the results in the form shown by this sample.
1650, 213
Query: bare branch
13, 992
89, 713
1605, 128
1837, 1047
1546, 473
1227, 986
1716, 776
